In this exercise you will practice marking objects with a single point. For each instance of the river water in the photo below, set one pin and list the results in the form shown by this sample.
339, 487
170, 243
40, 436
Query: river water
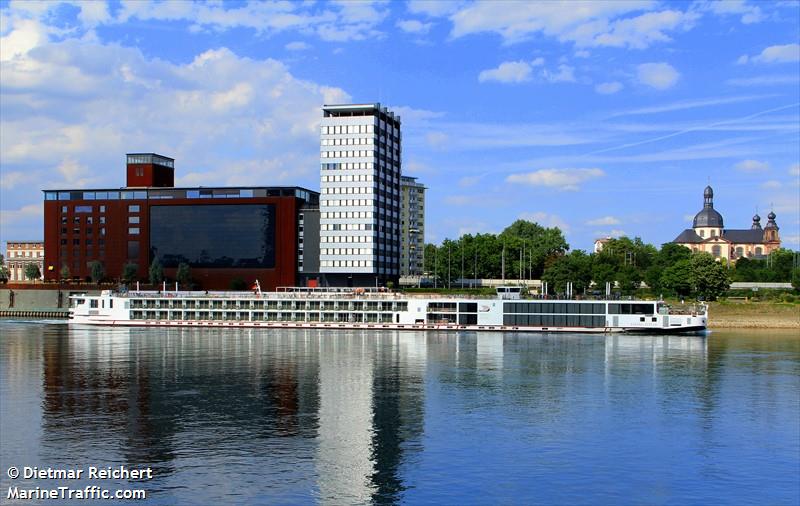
349, 417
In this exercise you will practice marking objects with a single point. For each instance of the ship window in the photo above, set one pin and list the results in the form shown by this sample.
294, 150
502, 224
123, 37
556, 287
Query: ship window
93, 303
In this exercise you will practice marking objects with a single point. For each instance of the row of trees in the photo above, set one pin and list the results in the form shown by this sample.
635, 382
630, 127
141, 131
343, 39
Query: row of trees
527, 250
130, 273
673, 270
522, 250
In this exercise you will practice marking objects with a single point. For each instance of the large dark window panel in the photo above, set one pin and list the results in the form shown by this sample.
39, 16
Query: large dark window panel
228, 235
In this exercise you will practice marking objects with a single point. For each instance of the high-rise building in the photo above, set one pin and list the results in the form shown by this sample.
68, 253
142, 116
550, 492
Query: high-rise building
412, 226
360, 167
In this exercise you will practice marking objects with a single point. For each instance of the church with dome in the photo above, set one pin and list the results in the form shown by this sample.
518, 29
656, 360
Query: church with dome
709, 234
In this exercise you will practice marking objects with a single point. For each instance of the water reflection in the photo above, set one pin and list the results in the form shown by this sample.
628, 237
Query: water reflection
350, 417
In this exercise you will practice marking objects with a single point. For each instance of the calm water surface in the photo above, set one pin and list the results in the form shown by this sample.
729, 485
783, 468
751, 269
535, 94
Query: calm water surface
296, 417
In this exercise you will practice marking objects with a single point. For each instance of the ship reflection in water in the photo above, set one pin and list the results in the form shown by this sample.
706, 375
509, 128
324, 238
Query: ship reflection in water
298, 416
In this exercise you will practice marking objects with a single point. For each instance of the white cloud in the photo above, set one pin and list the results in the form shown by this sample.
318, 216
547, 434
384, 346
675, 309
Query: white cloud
582, 53
546, 219
608, 88
562, 179
537, 62
333, 21
750, 13
507, 72
565, 74
786, 53
794, 170
751, 166
25, 35
660, 76
414, 26
771, 185
297, 46
434, 8
72, 109
582, 22
605, 220
642, 31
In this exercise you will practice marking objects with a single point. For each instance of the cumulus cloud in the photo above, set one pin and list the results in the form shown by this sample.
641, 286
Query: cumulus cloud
608, 88
561, 179
565, 73
72, 109
749, 13
642, 31
507, 72
751, 166
786, 53
414, 26
660, 76
605, 220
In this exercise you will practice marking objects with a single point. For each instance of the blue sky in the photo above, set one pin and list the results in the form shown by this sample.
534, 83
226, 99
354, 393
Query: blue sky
600, 118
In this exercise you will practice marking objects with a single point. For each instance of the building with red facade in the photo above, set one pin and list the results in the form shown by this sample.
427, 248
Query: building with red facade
269, 234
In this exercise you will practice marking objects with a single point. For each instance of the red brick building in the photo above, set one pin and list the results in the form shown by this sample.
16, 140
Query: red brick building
269, 234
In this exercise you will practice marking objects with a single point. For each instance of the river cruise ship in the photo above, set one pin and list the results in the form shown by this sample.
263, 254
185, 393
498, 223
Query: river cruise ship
365, 308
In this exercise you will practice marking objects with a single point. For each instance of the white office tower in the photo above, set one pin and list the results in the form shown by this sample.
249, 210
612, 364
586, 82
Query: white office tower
412, 226
360, 160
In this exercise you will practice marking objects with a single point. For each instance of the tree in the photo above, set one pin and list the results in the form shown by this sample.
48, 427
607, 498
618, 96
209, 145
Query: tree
796, 278
540, 247
669, 255
575, 268
156, 272
129, 273
32, 271
677, 278
97, 271
3, 270
709, 278
64, 272
184, 274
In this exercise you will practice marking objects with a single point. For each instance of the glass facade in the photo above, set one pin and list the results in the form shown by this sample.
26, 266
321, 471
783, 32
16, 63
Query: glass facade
228, 235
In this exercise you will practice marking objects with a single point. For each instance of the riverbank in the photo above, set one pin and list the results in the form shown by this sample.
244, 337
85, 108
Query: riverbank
750, 315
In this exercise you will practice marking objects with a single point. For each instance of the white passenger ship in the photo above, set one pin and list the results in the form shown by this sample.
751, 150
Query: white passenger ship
364, 308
